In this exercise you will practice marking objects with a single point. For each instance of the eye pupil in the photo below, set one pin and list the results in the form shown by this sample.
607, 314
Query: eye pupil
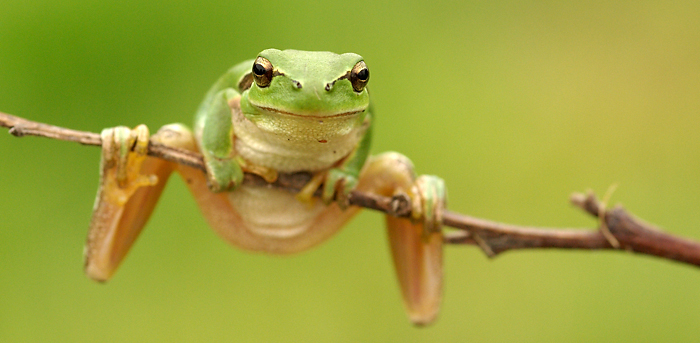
258, 69
363, 74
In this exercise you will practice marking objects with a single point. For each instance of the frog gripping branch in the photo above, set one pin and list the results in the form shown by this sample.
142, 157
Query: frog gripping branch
284, 112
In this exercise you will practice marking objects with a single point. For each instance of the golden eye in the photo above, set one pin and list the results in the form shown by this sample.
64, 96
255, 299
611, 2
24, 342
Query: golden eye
262, 72
359, 76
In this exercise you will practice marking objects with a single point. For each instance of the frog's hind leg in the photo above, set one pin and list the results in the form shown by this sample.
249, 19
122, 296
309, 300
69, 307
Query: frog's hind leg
416, 243
130, 185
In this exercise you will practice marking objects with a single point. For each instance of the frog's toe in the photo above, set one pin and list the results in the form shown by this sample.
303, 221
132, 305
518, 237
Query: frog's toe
338, 186
433, 197
123, 152
139, 137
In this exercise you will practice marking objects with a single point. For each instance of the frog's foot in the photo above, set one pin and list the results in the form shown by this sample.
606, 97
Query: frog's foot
429, 204
120, 165
123, 153
337, 186
130, 185
223, 174
268, 174
306, 194
416, 243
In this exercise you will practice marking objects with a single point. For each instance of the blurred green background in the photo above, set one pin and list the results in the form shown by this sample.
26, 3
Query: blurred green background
516, 104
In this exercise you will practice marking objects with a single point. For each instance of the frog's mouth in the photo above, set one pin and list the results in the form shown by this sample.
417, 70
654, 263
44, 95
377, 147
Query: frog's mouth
311, 115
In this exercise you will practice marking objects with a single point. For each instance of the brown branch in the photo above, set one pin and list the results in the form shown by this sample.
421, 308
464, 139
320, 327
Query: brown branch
493, 238
633, 234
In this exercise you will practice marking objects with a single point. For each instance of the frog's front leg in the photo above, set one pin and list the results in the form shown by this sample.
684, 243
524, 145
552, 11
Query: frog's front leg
223, 170
416, 243
130, 185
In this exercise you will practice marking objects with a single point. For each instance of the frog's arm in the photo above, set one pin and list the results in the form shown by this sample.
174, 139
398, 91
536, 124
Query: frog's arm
342, 179
357, 160
214, 126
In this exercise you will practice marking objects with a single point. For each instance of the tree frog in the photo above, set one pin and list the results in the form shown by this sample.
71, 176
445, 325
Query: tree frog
282, 112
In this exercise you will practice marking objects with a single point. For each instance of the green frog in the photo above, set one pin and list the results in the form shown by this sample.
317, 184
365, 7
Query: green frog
283, 112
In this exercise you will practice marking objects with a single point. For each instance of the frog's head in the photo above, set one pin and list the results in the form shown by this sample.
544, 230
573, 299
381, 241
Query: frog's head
315, 84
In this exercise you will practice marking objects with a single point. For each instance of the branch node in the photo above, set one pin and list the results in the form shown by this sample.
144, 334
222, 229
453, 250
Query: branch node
457, 237
17, 131
485, 247
605, 231
400, 205
602, 217
587, 202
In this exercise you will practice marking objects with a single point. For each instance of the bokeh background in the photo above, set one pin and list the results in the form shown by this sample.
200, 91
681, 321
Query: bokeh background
516, 104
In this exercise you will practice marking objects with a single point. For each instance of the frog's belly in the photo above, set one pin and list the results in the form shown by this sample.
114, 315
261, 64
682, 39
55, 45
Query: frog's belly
272, 220
274, 213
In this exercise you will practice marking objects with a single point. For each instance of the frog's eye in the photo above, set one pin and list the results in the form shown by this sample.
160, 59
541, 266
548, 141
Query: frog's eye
262, 72
359, 76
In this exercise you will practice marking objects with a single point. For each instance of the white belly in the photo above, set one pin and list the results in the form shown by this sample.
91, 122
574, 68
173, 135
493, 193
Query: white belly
271, 220
273, 213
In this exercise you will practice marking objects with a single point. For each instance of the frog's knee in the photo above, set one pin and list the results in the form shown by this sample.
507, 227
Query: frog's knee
177, 135
175, 129
392, 161
393, 156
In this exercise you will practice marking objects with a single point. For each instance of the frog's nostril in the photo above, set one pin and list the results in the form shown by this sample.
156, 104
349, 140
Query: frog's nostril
296, 83
329, 86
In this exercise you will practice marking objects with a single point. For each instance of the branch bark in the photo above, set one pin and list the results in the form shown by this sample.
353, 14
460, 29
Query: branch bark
619, 229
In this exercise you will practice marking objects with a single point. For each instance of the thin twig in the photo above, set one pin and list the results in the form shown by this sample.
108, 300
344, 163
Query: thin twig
493, 238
